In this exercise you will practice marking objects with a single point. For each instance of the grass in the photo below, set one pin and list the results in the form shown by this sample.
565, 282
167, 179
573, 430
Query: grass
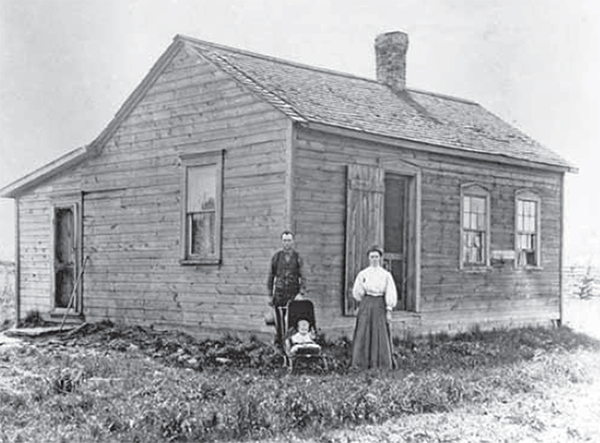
107, 383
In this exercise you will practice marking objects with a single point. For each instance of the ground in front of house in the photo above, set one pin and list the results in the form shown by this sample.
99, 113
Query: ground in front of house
551, 415
105, 383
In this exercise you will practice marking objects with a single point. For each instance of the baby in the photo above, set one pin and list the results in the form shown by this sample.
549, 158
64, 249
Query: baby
303, 341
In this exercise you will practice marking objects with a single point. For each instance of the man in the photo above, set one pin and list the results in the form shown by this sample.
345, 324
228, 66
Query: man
286, 280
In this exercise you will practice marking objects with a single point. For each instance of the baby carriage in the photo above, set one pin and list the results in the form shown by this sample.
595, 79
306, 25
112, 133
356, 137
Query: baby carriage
299, 330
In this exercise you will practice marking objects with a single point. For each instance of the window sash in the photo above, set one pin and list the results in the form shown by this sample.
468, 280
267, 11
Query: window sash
201, 188
201, 234
474, 247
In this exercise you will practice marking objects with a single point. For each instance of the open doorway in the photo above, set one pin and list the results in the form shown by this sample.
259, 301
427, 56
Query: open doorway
395, 232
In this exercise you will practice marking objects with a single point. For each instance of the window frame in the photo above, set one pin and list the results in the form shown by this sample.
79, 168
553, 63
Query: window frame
189, 161
475, 190
528, 195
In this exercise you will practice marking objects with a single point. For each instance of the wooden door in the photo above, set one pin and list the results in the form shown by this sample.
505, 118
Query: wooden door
364, 222
395, 232
65, 256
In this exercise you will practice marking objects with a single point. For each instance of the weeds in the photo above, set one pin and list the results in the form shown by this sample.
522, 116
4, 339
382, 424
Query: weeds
32, 319
109, 383
66, 380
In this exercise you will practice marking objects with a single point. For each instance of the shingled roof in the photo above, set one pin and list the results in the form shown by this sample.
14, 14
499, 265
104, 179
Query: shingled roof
315, 95
311, 95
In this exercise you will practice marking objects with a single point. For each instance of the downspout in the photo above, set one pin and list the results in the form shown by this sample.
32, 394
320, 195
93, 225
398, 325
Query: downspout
17, 265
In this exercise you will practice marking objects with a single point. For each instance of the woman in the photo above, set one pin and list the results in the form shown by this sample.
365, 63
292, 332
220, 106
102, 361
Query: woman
375, 290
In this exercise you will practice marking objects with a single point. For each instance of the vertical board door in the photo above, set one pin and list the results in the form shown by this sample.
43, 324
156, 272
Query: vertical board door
365, 190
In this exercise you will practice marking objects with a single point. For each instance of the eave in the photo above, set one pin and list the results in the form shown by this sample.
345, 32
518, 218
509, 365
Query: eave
439, 149
36, 177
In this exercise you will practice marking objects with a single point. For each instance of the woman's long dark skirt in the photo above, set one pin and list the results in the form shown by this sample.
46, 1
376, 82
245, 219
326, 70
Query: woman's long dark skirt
371, 347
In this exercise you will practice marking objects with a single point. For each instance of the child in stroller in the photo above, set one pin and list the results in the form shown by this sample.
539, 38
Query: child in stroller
303, 341
301, 333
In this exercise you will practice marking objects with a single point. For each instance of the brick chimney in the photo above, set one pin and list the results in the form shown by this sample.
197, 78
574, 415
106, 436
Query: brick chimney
390, 53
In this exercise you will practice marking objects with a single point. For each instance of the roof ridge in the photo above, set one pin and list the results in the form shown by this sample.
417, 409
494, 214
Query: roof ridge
263, 90
446, 96
196, 41
274, 59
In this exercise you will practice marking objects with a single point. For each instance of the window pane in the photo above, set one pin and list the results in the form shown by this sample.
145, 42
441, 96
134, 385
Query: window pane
532, 216
526, 241
480, 222
530, 258
474, 213
478, 205
473, 251
520, 221
526, 216
201, 188
521, 241
202, 234
472, 221
529, 224
531, 209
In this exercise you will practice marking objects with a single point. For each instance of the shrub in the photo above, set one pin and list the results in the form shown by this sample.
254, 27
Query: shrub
586, 285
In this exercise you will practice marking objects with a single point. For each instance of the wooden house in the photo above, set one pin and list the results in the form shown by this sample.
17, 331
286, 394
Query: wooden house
171, 215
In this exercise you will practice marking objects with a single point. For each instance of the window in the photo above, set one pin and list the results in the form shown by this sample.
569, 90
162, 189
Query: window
475, 226
201, 212
527, 229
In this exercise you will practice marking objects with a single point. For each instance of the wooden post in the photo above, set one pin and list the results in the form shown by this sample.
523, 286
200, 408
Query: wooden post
17, 265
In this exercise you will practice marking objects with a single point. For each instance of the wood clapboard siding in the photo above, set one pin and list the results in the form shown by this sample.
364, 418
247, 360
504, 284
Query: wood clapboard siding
450, 298
35, 241
133, 195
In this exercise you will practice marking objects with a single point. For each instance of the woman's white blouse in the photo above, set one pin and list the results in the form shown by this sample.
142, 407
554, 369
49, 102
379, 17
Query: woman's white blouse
378, 282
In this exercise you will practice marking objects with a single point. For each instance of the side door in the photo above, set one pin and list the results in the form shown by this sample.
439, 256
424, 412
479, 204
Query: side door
66, 292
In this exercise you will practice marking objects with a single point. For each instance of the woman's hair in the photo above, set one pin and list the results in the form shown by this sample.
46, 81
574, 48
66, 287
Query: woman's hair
375, 249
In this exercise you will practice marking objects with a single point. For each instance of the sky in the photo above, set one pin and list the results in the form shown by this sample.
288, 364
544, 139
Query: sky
66, 66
